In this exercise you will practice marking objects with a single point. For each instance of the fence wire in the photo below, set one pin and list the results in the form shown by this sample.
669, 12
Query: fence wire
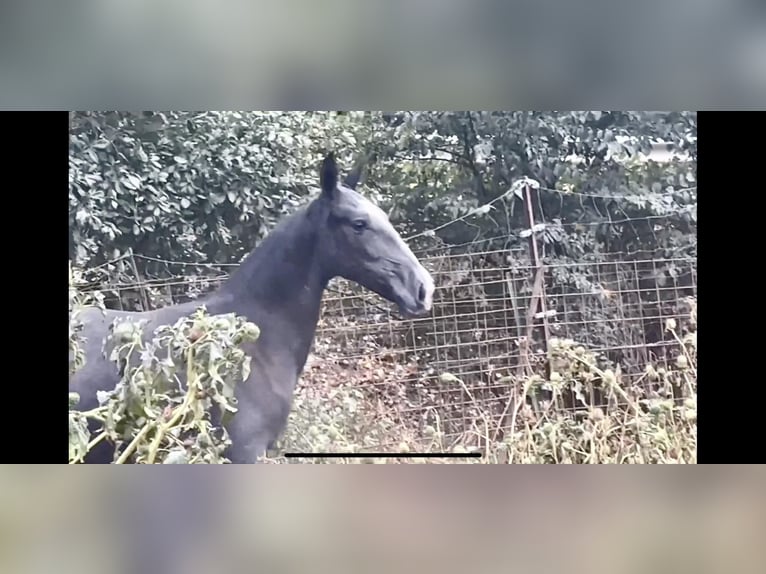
478, 330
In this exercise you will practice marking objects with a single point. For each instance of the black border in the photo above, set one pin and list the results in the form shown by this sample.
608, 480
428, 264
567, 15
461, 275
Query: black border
35, 157
729, 400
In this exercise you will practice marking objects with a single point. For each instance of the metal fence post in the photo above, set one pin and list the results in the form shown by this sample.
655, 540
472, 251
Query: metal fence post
537, 301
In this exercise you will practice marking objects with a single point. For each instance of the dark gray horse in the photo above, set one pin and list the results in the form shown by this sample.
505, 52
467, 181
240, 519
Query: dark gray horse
279, 287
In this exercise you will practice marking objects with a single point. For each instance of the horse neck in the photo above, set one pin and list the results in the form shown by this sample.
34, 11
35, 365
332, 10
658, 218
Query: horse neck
283, 276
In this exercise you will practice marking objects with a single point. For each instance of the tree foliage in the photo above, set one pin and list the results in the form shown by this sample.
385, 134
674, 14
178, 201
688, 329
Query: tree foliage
191, 186
450, 163
205, 186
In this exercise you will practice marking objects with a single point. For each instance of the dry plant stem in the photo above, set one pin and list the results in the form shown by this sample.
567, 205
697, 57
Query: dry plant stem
602, 374
163, 428
93, 414
486, 437
476, 404
96, 440
179, 411
505, 412
307, 439
685, 351
516, 408
134, 443
438, 436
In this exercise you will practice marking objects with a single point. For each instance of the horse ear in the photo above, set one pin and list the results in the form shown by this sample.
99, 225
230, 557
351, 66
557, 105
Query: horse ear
354, 177
328, 176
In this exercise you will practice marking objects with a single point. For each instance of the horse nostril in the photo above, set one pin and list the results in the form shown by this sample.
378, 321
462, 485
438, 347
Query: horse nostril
422, 293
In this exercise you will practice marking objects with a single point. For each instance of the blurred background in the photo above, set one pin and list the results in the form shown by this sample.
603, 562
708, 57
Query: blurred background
445, 54
377, 519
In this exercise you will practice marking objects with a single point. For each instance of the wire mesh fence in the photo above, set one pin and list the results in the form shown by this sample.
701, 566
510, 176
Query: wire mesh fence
481, 333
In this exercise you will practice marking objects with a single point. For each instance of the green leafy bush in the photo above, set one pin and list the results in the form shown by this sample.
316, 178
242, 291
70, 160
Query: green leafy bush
150, 416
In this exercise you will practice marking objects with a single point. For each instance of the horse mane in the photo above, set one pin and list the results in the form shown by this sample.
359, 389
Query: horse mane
281, 260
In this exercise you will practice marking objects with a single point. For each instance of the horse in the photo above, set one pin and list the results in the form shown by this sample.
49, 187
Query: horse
279, 287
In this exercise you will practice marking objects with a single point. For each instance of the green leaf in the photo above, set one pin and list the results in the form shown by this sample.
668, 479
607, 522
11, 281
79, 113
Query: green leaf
79, 437
176, 456
132, 182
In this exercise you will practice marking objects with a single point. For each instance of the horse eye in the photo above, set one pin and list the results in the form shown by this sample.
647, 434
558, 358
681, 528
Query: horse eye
359, 224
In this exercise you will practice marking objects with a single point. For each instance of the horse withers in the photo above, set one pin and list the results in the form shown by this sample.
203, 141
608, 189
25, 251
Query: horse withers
279, 287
